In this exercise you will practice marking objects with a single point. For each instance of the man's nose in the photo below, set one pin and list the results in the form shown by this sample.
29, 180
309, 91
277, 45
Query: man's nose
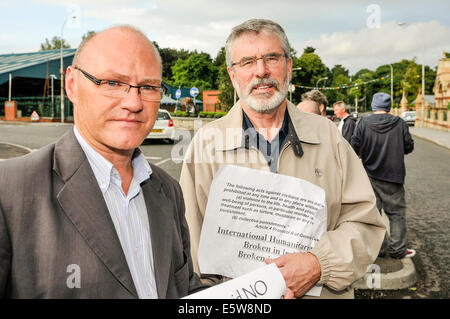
261, 69
132, 101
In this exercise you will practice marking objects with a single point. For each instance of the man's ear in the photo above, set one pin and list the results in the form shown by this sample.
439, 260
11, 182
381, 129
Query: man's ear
71, 86
290, 69
322, 108
231, 75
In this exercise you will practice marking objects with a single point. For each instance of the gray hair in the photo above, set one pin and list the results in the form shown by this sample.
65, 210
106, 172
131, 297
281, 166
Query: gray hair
340, 104
123, 27
316, 96
256, 26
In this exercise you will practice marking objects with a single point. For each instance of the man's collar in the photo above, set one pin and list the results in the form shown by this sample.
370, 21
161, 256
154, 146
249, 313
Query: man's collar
231, 127
248, 125
104, 169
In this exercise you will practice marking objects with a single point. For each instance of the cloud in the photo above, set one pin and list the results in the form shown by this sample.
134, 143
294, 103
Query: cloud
337, 30
372, 47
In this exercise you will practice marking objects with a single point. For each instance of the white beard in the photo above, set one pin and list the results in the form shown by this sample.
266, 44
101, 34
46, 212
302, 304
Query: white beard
260, 104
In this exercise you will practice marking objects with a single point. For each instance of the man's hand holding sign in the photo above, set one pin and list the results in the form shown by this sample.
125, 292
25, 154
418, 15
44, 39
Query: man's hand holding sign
301, 271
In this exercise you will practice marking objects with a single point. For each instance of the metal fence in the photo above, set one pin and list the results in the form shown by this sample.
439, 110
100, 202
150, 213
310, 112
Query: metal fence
45, 106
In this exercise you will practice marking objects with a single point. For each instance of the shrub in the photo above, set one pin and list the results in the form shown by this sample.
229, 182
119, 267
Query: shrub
219, 114
178, 113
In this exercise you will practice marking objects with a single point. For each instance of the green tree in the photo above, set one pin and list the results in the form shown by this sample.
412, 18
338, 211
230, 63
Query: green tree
312, 70
412, 80
197, 70
309, 50
356, 91
337, 76
54, 44
87, 35
337, 70
220, 58
169, 57
340, 94
226, 96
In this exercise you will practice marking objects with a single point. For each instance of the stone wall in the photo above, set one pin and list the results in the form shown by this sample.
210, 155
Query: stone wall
190, 123
434, 118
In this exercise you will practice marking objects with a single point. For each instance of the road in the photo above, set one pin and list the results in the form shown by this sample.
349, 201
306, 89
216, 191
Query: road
428, 217
19, 139
427, 194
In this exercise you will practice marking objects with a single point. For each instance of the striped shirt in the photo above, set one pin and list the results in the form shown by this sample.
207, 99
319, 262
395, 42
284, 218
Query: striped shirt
129, 215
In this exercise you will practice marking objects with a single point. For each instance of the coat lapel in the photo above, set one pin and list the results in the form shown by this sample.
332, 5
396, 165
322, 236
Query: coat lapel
160, 214
83, 203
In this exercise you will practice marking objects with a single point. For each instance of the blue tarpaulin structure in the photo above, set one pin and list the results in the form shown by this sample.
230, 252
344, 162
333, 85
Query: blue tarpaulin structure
33, 64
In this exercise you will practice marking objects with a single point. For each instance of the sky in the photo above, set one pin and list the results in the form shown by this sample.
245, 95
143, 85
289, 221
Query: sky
354, 33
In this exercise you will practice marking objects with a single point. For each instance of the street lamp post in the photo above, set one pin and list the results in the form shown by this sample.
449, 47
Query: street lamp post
52, 76
423, 94
423, 80
61, 69
392, 84
317, 83
292, 87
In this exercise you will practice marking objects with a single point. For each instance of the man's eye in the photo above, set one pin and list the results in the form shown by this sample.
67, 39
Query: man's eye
247, 62
149, 88
113, 83
271, 58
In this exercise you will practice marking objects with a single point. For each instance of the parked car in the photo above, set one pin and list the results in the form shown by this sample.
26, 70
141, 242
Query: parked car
163, 128
330, 114
409, 117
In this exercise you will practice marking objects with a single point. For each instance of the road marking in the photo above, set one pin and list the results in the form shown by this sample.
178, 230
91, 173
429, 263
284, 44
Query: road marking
152, 158
163, 161
19, 146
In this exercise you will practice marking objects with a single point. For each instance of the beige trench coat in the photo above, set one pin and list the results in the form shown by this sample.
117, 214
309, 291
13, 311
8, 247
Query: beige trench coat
355, 230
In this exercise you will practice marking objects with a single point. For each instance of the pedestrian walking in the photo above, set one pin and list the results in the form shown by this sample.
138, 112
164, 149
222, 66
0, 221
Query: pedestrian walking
347, 123
381, 140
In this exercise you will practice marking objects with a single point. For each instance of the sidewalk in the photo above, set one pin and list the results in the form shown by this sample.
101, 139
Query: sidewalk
441, 138
387, 273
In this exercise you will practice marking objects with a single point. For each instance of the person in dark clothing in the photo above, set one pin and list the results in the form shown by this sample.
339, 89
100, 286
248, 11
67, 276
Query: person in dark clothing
348, 122
381, 140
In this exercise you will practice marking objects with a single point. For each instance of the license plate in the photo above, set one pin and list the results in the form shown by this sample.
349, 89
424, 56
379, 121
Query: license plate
157, 131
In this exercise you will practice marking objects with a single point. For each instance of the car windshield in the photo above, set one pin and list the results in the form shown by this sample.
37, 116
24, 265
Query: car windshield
163, 116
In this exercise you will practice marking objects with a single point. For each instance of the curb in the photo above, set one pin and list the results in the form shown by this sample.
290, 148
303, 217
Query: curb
429, 139
404, 278
29, 150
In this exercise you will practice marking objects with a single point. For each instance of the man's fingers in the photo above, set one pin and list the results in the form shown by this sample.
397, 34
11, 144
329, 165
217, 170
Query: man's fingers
288, 294
280, 261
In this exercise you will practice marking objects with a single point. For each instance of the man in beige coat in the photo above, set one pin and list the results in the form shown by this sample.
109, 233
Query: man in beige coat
266, 132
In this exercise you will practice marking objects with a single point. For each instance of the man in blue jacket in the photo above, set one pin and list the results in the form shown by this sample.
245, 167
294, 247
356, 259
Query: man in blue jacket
381, 140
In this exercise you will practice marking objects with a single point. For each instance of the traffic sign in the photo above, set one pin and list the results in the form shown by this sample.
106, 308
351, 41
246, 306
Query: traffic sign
194, 92
35, 116
178, 93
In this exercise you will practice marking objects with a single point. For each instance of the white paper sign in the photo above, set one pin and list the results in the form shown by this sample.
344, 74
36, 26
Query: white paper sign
252, 215
263, 283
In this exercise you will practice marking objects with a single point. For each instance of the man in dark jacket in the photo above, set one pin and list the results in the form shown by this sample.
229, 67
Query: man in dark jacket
381, 140
348, 122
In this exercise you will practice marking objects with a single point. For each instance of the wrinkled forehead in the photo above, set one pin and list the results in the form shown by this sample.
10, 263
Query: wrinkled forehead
254, 41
